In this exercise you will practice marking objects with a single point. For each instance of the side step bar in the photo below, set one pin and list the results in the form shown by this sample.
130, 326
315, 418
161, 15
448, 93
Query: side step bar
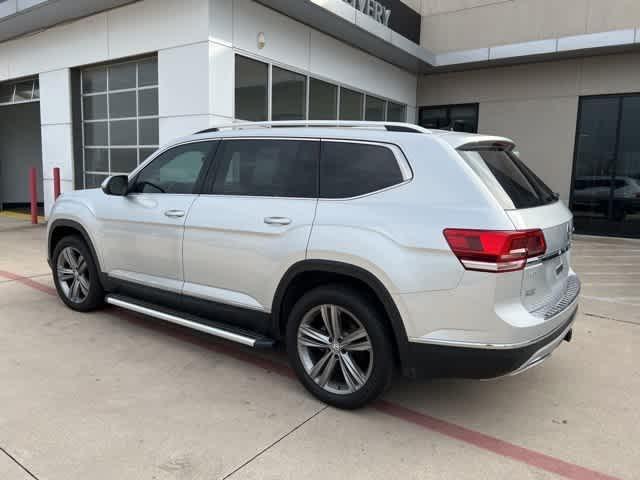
191, 321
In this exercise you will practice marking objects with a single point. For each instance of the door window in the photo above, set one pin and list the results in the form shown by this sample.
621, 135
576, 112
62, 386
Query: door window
175, 171
267, 168
352, 169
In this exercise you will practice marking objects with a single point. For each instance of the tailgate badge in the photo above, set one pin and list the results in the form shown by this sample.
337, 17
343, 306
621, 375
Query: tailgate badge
559, 268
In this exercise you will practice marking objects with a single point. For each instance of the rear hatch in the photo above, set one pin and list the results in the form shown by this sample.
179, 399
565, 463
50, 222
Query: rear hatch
530, 204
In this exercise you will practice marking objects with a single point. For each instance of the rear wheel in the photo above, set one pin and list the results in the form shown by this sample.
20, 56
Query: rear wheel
76, 276
338, 346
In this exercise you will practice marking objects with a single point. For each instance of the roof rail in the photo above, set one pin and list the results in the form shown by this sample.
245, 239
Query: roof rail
389, 126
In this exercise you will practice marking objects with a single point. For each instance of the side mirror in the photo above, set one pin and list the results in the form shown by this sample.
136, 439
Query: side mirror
116, 185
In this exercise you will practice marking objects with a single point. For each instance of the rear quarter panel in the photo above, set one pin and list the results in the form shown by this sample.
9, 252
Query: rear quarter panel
396, 234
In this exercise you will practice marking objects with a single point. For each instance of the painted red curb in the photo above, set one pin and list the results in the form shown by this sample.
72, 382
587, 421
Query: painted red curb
480, 440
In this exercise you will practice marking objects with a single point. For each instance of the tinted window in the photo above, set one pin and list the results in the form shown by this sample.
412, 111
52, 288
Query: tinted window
512, 183
174, 171
460, 118
352, 169
374, 109
267, 168
252, 79
350, 104
323, 100
288, 95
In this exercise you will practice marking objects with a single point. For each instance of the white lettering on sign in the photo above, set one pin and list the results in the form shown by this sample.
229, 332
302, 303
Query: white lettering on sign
373, 9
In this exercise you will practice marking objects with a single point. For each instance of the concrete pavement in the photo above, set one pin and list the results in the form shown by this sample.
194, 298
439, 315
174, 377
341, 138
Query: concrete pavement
114, 395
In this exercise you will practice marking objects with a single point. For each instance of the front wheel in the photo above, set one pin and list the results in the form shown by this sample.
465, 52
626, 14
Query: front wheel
76, 276
339, 347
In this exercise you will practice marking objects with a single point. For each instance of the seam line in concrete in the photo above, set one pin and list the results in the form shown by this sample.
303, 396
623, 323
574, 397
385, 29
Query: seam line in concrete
603, 317
30, 276
273, 444
18, 463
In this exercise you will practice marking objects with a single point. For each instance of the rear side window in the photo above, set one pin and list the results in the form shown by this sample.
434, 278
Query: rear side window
267, 168
353, 169
512, 183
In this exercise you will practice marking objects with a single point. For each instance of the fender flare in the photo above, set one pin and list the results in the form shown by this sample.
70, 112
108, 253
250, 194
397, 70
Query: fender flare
358, 273
81, 230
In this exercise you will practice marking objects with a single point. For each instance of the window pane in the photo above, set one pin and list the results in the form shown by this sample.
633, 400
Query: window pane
93, 181
352, 169
95, 133
375, 109
396, 112
122, 105
146, 153
96, 159
149, 131
273, 168
23, 91
6, 93
123, 132
464, 118
94, 80
122, 76
434, 117
174, 171
323, 100
289, 95
251, 89
148, 72
123, 160
148, 102
95, 107
350, 105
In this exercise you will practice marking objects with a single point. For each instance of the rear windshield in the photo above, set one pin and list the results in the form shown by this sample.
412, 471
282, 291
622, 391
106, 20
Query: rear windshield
512, 183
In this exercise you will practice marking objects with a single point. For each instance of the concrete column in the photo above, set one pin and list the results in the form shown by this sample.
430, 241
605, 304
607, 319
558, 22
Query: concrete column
56, 131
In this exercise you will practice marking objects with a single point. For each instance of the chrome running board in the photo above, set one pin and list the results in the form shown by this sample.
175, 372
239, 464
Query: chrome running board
191, 321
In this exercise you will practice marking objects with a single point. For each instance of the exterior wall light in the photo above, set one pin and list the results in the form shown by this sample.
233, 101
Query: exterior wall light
261, 41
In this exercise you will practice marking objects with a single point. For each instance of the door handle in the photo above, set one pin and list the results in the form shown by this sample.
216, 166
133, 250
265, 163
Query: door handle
174, 213
277, 220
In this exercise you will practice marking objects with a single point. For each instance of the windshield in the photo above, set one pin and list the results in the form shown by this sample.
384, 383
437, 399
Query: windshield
512, 183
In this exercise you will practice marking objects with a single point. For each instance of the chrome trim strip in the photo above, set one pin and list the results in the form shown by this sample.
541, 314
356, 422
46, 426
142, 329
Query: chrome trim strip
234, 337
548, 256
497, 346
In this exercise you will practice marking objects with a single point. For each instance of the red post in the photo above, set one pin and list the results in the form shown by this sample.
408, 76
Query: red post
56, 183
34, 195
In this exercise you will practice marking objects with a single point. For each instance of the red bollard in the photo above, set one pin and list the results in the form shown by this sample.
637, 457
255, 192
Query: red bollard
34, 195
56, 183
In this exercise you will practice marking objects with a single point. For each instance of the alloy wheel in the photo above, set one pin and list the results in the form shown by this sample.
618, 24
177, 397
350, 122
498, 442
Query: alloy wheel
335, 349
73, 274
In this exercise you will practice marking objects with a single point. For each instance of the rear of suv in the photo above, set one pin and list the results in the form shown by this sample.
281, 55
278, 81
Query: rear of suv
365, 248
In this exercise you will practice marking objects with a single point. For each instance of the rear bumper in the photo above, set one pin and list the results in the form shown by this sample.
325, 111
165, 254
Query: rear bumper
429, 360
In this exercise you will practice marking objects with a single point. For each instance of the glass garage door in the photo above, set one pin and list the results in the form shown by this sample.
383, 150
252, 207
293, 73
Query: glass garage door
119, 117
605, 197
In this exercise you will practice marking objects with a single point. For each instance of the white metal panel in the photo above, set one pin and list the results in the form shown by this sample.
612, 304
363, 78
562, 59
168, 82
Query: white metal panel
148, 26
55, 97
57, 151
222, 82
286, 40
183, 77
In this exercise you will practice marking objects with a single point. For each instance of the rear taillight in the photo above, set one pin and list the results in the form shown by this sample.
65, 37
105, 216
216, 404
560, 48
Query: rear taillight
495, 250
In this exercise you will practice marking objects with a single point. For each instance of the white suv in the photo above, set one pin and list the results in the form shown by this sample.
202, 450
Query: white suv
362, 246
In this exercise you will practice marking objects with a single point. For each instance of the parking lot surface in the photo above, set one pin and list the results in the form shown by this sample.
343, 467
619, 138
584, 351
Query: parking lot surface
113, 395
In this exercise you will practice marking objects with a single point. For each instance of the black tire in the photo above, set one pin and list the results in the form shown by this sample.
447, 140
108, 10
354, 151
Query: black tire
382, 358
94, 298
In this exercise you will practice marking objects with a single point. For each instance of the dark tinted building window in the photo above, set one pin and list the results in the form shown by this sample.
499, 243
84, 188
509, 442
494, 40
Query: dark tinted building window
460, 118
350, 104
252, 79
289, 95
352, 169
374, 109
323, 100
267, 168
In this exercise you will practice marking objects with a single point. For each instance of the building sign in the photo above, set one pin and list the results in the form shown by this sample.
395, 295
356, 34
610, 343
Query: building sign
392, 13
372, 8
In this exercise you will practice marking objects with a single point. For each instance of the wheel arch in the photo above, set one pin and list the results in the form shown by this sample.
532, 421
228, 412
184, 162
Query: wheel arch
326, 271
61, 228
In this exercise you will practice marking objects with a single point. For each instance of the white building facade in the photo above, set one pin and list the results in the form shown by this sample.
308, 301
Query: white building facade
114, 85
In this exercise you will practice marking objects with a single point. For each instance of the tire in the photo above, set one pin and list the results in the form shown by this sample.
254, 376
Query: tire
66, 275
310, 342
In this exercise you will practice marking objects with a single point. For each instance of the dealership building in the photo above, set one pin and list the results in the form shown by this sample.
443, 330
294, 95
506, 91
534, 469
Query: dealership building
94, 87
